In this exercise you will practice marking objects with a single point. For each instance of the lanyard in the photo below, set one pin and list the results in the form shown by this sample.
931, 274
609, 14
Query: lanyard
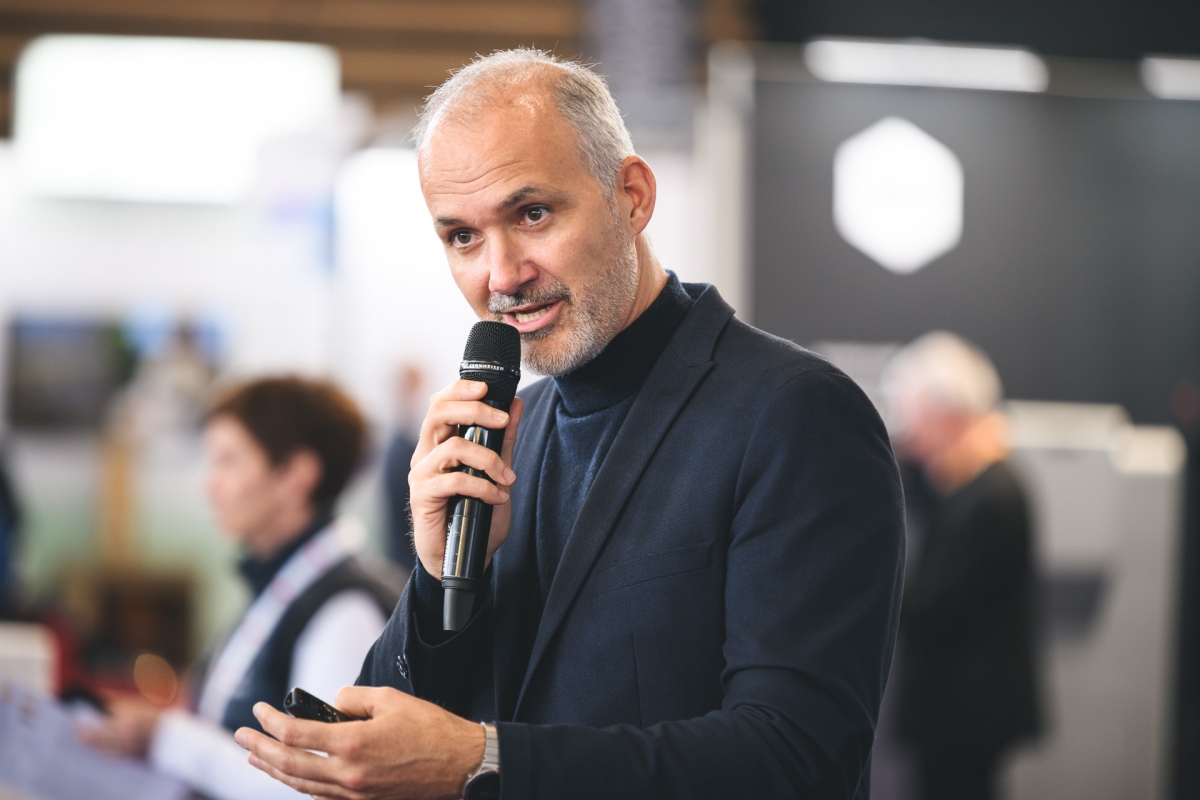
314, 559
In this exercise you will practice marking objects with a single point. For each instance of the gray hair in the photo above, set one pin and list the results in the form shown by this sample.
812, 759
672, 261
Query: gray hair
582, 96
945, 370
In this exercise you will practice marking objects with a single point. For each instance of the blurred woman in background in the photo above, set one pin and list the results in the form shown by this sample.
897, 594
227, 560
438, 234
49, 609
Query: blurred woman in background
280, 452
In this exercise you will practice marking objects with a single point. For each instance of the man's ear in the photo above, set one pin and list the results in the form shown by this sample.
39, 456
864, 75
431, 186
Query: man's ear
302, 473
636, 182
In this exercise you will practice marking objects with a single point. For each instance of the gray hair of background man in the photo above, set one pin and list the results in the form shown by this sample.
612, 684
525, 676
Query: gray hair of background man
582, 96
945, 371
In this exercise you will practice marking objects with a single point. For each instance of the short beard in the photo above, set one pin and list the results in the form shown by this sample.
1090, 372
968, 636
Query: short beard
589, 320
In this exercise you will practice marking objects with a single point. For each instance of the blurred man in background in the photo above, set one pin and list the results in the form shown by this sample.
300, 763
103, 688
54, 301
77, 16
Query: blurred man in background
411, 402
967, 690
10, 520
280, 453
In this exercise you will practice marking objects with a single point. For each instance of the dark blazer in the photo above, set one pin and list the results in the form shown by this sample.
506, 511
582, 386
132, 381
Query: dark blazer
721, 621
968, 679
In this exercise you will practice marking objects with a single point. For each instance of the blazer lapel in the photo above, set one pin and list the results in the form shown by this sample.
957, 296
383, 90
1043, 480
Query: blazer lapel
667, 389
515, 581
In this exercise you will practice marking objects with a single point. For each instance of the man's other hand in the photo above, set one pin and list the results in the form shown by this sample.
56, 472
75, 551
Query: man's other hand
406, 748
434, 480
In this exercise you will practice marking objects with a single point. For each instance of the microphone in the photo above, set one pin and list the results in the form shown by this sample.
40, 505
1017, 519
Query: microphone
493, 356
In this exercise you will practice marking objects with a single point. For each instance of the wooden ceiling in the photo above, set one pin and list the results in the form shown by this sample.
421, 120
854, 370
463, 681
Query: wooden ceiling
391, 50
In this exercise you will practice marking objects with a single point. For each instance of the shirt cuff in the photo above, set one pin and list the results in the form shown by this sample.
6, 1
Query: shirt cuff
206, 758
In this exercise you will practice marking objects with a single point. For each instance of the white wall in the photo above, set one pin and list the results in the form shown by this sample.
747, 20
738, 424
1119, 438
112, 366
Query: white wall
396, 302
250, 266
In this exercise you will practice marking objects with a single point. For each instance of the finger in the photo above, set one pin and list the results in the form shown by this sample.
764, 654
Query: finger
442, 487
461, 391
302, 733
447, 417
429, 435
456, 452
290, 761
510, 433
304, 785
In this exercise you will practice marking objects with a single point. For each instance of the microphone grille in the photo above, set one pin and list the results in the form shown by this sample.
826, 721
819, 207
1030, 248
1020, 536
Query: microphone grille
496, 343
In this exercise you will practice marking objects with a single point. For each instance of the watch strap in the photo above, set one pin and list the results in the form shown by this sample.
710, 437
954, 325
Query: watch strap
491, 749
484, 782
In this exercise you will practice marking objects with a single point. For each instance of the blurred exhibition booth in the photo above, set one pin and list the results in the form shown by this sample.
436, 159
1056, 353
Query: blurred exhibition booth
176, 212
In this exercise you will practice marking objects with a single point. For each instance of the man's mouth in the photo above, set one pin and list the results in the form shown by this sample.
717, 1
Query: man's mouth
530, 318
532, 314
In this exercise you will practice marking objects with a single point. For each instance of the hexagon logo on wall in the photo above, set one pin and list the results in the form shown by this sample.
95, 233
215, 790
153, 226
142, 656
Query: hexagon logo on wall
898, 195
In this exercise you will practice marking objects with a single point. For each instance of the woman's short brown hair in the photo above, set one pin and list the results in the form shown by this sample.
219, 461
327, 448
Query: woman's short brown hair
286, 415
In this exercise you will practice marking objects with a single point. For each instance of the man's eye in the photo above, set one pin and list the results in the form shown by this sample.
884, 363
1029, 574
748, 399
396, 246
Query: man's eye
462, 237
536, 214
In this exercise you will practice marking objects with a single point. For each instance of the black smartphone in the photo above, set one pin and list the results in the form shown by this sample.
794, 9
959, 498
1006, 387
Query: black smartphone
302, 705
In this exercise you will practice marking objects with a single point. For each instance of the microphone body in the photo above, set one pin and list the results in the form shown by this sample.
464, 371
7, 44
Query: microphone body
466, 541
493, 355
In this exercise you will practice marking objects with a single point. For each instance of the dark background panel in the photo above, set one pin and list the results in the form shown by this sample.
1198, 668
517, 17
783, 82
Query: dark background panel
1080, 28
1079, 267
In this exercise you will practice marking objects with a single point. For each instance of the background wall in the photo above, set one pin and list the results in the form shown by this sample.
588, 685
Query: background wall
1079, 265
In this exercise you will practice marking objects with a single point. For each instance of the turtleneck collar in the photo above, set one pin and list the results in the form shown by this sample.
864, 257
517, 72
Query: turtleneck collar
622, 367
258, 572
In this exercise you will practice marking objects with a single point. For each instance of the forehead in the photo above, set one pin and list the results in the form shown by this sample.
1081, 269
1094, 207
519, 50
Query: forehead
499, 145
229, 430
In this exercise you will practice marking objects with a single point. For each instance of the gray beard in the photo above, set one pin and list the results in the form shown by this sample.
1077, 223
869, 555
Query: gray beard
589, 320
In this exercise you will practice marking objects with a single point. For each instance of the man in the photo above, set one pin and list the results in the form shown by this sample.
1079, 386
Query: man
397, 458
967, 688
698, 532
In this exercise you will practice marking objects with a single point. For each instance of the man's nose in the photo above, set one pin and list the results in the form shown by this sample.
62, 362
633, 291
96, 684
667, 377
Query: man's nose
508, 267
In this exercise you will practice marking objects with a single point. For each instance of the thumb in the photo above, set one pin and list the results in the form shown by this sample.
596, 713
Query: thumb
365, 701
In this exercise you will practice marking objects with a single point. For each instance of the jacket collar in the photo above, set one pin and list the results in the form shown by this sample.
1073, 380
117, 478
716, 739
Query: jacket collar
680, 369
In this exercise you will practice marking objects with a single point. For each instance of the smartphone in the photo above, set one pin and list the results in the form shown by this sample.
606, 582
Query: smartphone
302, 705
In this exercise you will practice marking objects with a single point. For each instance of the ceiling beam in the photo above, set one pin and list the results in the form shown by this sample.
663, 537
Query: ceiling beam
545, 19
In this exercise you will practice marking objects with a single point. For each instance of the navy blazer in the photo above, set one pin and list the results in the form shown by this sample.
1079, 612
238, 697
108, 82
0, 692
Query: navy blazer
722, 620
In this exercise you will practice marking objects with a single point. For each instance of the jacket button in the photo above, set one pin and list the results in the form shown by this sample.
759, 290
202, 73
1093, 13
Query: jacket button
402, 666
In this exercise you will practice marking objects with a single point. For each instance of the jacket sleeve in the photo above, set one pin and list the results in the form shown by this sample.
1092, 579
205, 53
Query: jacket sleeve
812, 595
415, 656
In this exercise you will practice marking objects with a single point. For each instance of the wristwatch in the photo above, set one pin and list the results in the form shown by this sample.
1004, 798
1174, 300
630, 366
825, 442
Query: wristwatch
484, 782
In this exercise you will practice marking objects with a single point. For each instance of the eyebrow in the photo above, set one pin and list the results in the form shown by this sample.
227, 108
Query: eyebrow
518, 196
513, 199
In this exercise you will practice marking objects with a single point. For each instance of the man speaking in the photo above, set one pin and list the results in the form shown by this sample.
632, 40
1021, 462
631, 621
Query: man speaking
697, 544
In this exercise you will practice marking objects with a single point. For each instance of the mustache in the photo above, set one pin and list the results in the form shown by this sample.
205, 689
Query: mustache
539, 295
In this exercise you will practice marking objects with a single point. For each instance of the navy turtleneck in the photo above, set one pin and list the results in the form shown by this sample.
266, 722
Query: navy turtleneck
593, 402
259, 572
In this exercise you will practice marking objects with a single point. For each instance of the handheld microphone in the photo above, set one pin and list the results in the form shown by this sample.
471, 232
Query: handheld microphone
493, 356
